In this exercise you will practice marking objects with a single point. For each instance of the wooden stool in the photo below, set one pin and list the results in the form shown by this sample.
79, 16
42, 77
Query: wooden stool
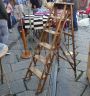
3, 51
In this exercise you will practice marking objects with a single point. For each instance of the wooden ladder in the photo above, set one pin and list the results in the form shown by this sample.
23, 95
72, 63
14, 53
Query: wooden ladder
67, 47
50, 47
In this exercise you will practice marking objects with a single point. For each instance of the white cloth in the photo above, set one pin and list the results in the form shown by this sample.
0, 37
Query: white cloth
84, 22
35, 22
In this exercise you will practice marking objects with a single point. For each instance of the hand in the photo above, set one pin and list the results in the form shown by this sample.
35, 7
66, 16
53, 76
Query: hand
34, 6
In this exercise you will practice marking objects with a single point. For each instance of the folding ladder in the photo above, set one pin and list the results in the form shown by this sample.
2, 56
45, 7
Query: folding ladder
50, 47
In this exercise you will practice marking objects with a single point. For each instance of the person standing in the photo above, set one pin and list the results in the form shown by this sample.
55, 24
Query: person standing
74, 13
3, 24
35, 4
9, 10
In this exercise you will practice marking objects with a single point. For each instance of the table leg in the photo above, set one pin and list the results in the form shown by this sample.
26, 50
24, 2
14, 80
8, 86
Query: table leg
1, 72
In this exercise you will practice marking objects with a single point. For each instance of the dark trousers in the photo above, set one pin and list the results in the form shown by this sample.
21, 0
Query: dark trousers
75, 19
9, 21
50, 0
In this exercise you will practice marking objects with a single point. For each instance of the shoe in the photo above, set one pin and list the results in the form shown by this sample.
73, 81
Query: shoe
10, 30
8, 53
75, 29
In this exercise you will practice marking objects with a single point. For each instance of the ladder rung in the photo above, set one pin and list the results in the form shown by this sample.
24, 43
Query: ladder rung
63, 3
68, 53
71, 53
68, 33
37, 72
41, 58
52, 32
58, 17
55, 17
46, 45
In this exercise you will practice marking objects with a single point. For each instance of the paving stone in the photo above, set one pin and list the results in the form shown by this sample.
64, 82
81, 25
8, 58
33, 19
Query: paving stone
6, 68
69, 88
33, 83
82, 57
82, 66
12, 76
21, 65
17, 86
4, 89
82, 50
32, 93
18, 45
9, 59
66, 73
83, 79
87, 91
26, 93
63, 64
66, 85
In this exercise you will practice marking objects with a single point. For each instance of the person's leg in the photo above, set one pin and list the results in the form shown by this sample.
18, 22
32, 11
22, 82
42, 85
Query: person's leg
3, 32
75, 20
9, 21
0, 33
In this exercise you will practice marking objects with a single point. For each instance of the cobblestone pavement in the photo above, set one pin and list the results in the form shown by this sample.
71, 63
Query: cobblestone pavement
15, 69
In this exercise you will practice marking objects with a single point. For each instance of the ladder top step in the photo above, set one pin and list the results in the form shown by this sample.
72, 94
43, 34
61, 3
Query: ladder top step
52, 32
58, 17
63, 3
37, 72
41, 58
46, 45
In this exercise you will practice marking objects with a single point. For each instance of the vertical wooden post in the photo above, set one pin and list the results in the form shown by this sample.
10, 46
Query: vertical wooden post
88, 65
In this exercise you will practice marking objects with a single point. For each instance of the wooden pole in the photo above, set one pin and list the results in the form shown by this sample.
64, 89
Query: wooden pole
26, 53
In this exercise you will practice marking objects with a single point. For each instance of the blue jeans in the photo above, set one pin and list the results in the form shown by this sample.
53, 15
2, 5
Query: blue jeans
3, 31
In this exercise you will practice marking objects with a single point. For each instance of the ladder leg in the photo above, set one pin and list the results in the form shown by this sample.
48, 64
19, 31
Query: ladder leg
42, 82
57, 56
73, 43
39, 88
28, 75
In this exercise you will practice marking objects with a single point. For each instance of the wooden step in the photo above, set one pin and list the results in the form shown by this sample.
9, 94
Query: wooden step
71, 53
68, 53
68, 33
37, 72
55, 17
59, 18
52, 32
46, 45
41, 58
